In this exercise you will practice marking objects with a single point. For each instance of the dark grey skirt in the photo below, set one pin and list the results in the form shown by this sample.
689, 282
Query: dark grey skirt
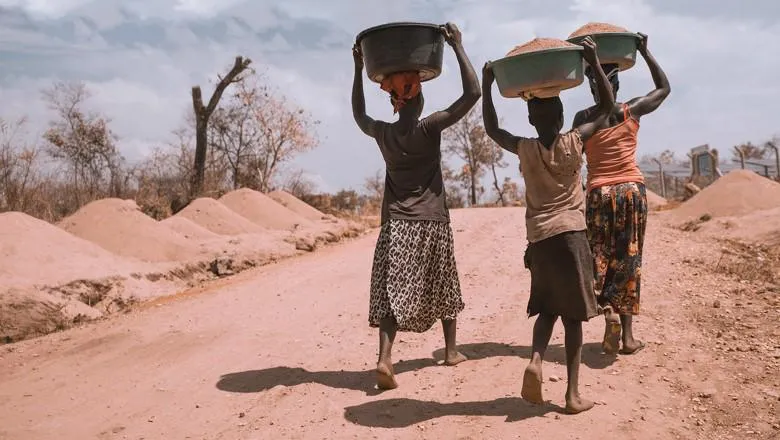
562, 277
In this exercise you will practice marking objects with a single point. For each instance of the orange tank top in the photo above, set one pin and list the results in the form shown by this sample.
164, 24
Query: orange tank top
611, 154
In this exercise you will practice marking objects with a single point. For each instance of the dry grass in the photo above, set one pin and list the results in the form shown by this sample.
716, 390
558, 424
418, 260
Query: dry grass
749, 262
672, 204
695, 225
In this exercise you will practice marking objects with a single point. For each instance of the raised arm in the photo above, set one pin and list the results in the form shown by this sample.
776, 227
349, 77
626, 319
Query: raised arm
455, 112
366, 123
503, 138
606, 98
579, 118
648, 103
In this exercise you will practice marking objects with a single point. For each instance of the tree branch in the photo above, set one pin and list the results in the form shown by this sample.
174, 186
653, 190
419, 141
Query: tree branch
197, 101
239, 66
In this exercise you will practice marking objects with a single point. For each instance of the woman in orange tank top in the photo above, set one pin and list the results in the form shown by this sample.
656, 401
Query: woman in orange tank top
616, 207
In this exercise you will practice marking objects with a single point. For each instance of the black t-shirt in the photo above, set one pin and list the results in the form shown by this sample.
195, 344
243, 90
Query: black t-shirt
414, 187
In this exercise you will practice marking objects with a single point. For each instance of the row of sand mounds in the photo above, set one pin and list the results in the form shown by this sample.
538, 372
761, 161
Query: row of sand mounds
738, 193
53, 277
34, 252
218, 218
111, 237
188, 228
296, 205
539, 44
120, 227
598, 28
263, 210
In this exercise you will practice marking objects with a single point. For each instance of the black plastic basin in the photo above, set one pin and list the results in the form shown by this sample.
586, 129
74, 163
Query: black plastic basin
399, 47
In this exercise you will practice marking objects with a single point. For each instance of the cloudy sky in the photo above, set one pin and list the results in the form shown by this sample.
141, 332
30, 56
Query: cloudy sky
141, 57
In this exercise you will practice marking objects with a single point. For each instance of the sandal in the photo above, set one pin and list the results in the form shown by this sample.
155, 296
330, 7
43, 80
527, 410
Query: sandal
611, 342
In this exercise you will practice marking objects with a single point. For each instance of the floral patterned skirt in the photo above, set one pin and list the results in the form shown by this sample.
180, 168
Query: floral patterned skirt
617, 218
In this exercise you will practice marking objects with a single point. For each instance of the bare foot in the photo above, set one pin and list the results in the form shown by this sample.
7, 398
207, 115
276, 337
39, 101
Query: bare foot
576, 404
385, 378
532, 384
454, 359
611, 342
632, 347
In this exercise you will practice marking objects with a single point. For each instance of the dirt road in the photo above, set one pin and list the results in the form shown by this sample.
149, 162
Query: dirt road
284, 352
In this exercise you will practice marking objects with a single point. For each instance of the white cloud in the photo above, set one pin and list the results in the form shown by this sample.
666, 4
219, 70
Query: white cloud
141, 58
44, 8
207, 8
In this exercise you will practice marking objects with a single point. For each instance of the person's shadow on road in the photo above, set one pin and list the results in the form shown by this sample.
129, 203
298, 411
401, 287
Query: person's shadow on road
592, 354
256, 381
401, 413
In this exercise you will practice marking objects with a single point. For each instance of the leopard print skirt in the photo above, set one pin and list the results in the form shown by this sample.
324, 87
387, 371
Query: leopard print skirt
414, 277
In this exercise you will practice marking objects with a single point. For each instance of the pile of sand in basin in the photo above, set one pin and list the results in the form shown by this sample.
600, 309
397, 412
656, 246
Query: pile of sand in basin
120, 227
538, 44
263, 210
738, 193
218, 218
35, 252
296, 205
597, 28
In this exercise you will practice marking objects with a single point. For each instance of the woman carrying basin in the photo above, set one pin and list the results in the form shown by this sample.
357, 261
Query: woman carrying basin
616, 209
414, 279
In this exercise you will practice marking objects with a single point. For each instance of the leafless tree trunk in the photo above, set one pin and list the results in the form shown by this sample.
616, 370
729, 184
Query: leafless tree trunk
202, 115
497, 161
499, 188
468, 141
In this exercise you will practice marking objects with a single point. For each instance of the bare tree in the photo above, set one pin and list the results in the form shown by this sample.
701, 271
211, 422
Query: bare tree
164, 177
666, 157
751, 151
375, 190
19, 171
284, 131
234, 133
497, 162
202, 115
85, 143
468, 141
512, 193
375, 185
452, 187
346, 201
299, 185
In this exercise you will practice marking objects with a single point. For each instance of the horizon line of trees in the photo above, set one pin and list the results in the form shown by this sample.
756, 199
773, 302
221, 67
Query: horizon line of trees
245, 135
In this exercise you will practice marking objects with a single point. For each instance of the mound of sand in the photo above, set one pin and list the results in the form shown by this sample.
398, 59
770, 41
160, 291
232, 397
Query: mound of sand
218, 218
33, 252
538, 44
292, 203
655, 201
597, 28
761, 227
262, 210
188, 228
738, 193
120, 227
